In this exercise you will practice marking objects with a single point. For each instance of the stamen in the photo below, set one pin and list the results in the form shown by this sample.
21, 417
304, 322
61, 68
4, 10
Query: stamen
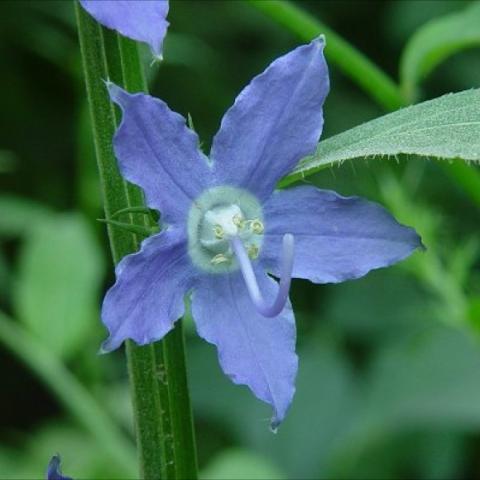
257, 226
238, 221
251, 282
252, 251
218, 259
218, 231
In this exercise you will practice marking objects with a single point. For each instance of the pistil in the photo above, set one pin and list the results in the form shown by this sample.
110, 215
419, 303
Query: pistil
251, 282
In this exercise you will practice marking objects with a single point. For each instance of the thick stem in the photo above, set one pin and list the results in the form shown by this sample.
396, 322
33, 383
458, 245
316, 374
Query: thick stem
160, 395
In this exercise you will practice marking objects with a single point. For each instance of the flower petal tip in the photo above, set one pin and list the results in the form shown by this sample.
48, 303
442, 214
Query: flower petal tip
107, 83
115, 92
420, 245
102, 350
158, 58
53, 469
416, 241
108, 346
321, 41
279, 414
274, 424
140, 20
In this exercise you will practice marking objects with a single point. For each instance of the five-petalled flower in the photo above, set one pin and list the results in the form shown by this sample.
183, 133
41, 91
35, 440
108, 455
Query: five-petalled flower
227, 229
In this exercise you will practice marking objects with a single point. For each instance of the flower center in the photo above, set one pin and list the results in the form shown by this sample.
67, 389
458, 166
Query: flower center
216, 217
225, 232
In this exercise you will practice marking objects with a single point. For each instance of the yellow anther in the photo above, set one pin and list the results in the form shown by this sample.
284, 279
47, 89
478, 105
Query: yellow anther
218, 231
218, 259
252, 252
256, 226
238, 221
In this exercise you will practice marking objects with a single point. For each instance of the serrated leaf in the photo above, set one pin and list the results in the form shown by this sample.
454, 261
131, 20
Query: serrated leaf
435, 42
59, 278
447, 127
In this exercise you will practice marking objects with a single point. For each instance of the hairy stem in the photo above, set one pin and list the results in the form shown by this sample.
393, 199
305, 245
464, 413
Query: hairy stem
161, 402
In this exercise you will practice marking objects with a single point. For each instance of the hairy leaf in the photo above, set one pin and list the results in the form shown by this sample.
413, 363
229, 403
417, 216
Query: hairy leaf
435, 42
447, 127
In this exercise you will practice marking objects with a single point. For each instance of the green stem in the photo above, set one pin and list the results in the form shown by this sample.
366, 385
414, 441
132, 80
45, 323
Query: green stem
162, 411
178, 436
362, 71
182, 440
466, 176
353, 63
74, 396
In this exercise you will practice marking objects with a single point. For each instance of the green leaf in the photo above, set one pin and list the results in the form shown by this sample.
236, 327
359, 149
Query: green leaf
427, 381
59, 278
69, 392
82, 455
424, 382
326, 404
18, 215
240, 464
435, 42
447, 127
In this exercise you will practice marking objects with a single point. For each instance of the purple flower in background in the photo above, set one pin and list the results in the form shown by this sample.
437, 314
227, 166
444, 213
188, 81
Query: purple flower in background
141, 20
227, 229
53, 470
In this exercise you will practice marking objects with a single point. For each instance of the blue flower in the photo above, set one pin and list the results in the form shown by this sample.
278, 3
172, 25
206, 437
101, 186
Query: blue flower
227, 229
53, 470
141, 20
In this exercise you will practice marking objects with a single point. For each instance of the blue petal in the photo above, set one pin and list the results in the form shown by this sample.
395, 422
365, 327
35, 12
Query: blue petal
53, 470
336, 238
148, 296
157, 152
141, 20
275, 121
253, 350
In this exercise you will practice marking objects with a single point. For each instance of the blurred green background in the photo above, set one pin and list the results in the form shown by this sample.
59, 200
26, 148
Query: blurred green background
389, 381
